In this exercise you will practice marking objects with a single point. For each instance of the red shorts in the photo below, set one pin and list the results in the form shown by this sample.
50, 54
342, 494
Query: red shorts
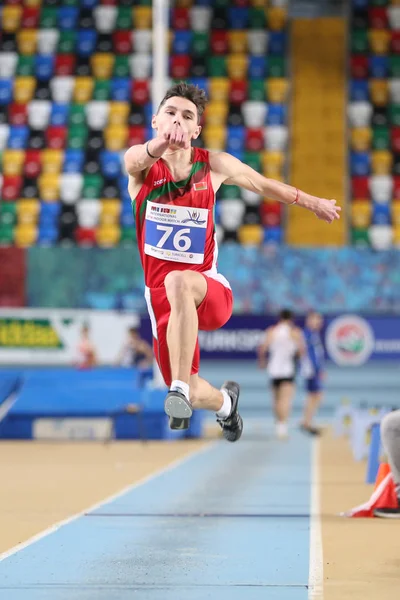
213, 313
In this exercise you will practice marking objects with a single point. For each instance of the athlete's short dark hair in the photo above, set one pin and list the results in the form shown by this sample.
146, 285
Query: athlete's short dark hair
286, 315
190, 92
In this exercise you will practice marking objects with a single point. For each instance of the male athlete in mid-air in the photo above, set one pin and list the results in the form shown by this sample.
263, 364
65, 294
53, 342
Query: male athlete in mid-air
173, 189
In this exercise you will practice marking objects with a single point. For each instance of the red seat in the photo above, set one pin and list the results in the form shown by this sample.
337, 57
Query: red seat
271, 214
65, 64
109, 2
18, 114
359, 188
378, 18
395, 44
12, 185
30, 17
180, 18
140, 91
136, 135
395, 139
180, 66
238, 91
56, 136
396, 187
32, 164
359, 66
242, 3
85, 235
219, 42
254, 140
122, 42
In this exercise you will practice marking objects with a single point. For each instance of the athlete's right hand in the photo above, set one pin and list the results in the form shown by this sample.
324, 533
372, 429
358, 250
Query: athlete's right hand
176, 136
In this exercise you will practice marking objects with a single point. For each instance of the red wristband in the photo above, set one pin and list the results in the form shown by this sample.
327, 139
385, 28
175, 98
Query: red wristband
295, 201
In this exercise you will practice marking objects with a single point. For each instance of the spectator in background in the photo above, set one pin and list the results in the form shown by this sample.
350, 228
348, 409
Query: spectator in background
87, 358
136, 352
313, 370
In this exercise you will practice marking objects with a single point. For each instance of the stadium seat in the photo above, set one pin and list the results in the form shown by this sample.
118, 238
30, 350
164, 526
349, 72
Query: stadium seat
394, 17
238, 91
254, 140
28, 210
381, 236
88, 213
216, 113
8, 64
24, 89
110, 211
62, 89
200, 18
379, 66
276, 137
11, 188
51, 160
359, 90
71, 185
361, 214
273, 164
381, 188
108, 235
25, 235
237, 66
214, 137
379, 41
380, 138
381, 161
219, 88
379, 89
17, 114
142, 41
361, 138
13, 161
254, 113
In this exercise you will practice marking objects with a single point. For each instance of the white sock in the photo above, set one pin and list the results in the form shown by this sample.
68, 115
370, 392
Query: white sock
180, 386
226, 407
281, 429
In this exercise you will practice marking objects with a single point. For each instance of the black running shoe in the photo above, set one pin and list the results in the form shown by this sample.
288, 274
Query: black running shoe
179, 410
313, 431
387, 513
232, 426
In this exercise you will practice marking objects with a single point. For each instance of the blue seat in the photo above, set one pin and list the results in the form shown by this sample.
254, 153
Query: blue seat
126, 218
273, 235
360, 164
204, 3
149, 132
148, 114
86, 42
18, 137
47, 235
359, 90
44, 66
6, 91
89, 3
59, 114
121, 89
235, 139
238, 17
201, 82
277, 42
67, 17
110, 163
49, 213
381, 214
276, 114
379, 66
239, 154
360, 3
258, 66
217, 212
182, 42
73, 161
123, 181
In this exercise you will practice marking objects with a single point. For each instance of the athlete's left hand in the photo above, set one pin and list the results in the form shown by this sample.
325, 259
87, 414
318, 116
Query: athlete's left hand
326, 210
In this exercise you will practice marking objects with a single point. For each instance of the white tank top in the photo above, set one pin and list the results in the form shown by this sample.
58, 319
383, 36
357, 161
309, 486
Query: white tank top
282, 351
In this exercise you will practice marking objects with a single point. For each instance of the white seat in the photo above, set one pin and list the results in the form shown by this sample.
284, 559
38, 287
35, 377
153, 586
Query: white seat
381, 188
381, 236
257, 40
250, 198
62, 88
394, 87
254, 113
47, 41
200, 18
71, 187
8, 64
232, 211
279, 3
219, 232
394, 17
275, 137
140, 65
105, 18
39, 113
4, 131
88, 213
359, 114
97, 114
142, 41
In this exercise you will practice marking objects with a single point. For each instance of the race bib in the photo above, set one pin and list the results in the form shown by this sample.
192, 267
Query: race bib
176, 233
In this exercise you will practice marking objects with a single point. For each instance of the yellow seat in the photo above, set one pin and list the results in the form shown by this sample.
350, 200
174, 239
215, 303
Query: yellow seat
219, 88
396, 236
27, 41
277, 89
277, 17
33, 3
119, 112
110, 211
216, 113
214, 137
108, 235
142, 18
83, 89
11, 18
28, 210
13, 161
237, 41
25, 235
183, 3
361, 214
24, 89
396, 214
379, 91
237, 66
52, 160
379, 40
361, 138
381, 161
102, 65
250, 235
259, 3
49, 187
116, 137
273, 163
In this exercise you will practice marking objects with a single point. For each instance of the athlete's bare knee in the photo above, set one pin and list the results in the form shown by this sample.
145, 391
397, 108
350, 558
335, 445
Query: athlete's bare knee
176, 284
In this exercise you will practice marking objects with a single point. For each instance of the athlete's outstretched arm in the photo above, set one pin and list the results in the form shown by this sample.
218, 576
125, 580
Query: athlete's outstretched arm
235, 172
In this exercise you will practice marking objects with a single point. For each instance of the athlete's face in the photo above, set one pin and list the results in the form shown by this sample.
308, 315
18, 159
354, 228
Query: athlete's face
315, 321
177, 112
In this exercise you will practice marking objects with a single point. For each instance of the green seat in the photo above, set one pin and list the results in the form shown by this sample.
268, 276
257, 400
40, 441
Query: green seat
360, 238
221, 3
124, 18
25, 66
8, 213
359, 41
121, 66
66, 42
128, 235
200, 43
48, 18
394, 65
394, 114
71, 2
77, 115
257, 90
216, 66
276, 66
101, 89
257, 18
77, 136
144, 2
229, 191
6, 233
92, 186
379, 2
253, 159
380, 138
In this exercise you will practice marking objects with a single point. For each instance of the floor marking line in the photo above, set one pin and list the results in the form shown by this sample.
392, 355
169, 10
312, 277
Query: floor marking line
316, 568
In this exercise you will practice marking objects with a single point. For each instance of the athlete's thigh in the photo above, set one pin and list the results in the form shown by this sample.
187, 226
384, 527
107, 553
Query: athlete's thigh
216, 308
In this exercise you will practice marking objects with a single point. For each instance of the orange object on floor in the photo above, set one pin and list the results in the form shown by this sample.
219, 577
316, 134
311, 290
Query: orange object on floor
384, 495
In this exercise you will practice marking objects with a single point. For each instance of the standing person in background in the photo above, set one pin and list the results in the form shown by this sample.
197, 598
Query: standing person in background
86, 351
136, 352
313, 364
284, 345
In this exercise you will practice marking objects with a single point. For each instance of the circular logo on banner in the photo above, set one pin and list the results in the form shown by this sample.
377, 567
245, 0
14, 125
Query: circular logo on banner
349, 340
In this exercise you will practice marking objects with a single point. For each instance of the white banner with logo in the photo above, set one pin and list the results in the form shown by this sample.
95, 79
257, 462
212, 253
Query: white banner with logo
52, 337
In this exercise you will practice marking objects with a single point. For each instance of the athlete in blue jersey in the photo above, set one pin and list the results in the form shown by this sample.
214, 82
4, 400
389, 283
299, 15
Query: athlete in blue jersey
313, 370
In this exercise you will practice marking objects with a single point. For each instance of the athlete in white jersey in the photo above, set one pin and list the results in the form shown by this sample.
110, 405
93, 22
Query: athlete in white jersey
284, 345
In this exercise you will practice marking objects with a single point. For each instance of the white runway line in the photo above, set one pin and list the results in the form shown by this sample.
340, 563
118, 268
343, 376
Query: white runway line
316, 568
